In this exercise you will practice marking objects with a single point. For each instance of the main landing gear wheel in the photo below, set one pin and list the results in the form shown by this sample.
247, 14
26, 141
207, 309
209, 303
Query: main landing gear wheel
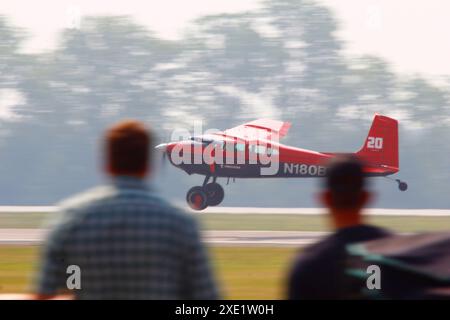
215, 193
209, 194
197, 198
402, 186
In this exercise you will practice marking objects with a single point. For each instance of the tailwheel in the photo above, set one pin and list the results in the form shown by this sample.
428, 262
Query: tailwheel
197, 198
402, 186
215, 193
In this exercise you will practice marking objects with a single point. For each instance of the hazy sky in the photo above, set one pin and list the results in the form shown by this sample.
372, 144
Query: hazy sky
411, 35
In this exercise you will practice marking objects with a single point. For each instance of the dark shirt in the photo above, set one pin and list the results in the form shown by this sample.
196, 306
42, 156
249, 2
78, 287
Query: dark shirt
318, 273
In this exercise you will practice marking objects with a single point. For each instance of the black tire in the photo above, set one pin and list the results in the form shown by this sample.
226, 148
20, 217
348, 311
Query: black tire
402, 186
215, 193
196, 198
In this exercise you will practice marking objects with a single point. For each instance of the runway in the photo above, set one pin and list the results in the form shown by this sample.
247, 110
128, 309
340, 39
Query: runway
268, 238
258, 210
322, 211
213, 237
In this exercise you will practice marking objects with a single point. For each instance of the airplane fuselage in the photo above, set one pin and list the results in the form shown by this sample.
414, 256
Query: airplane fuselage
289, 162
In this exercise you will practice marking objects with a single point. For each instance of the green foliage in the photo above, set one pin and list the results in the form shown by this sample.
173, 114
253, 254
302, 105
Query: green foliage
282, 61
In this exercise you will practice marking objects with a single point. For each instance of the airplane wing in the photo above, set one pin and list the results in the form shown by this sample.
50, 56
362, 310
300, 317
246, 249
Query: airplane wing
261, 129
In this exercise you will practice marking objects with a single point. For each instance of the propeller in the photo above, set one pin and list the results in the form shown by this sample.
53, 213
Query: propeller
162, 148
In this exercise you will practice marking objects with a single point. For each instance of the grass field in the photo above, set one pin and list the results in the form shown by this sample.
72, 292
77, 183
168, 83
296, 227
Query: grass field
242, 272
281, 222
291, 222
17, 264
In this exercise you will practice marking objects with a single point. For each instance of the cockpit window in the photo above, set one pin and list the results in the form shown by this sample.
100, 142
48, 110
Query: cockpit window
229, 147
260, 149
274, 151
263, 150
202, 140
240, 147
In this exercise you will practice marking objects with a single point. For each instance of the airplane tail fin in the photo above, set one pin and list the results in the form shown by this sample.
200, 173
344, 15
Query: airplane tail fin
381, 145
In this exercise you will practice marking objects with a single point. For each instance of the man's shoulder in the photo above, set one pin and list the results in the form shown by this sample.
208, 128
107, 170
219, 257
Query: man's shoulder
316, 252
87, 198
362, 232
103, 198
312, 265
341, 238
70, 209
170, 210
332, 245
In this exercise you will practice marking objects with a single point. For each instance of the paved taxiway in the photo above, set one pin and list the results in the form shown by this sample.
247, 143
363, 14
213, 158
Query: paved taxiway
256, 210
222, 237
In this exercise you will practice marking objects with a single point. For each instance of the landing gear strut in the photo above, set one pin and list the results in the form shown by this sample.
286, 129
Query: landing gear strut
209, 194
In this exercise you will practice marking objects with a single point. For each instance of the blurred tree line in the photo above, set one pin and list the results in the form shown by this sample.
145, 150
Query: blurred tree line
283, 61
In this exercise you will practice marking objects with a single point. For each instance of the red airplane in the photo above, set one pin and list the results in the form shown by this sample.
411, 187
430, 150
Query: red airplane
252, 150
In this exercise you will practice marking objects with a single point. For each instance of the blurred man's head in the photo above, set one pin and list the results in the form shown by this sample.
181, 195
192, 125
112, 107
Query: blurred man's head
345, 194
127, 145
